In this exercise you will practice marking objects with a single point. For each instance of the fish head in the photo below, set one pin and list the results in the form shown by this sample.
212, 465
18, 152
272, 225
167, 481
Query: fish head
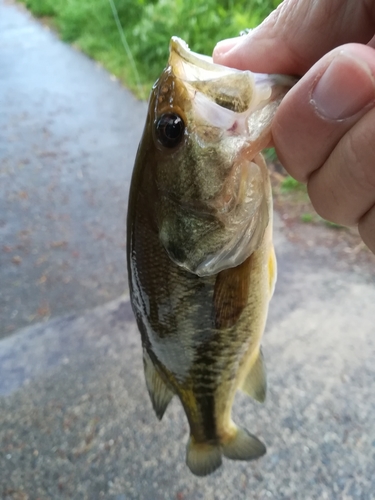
208, 125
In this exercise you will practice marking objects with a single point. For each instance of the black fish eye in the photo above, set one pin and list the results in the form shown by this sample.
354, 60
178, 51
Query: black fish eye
170, 130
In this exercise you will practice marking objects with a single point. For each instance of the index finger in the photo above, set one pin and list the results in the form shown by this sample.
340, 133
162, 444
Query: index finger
297, 34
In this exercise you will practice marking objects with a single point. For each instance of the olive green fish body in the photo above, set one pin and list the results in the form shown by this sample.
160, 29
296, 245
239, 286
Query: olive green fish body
201, 262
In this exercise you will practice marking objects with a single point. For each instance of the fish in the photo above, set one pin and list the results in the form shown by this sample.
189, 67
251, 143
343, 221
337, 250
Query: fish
200, 255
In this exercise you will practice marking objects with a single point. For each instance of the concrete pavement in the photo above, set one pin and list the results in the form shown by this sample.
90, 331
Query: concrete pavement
76, 422
68, 136
75, 418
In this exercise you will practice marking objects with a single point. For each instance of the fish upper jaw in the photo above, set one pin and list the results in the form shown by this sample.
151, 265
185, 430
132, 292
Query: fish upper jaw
233, 89
237, 103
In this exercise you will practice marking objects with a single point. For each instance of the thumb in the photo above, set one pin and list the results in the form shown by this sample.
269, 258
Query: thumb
324, 133
297, 34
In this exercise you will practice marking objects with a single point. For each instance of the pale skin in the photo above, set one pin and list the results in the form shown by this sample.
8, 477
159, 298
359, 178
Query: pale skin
324, 130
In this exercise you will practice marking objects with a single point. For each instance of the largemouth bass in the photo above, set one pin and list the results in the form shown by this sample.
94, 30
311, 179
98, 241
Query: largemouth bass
201, 262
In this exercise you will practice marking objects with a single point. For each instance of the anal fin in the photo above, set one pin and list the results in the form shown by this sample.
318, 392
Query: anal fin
160, 394
202, 458
243, 446
255, 383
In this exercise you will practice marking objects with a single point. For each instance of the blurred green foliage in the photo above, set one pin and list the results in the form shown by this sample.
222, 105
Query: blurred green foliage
290, 184
307, 217
333, 225
270, 155
148, 26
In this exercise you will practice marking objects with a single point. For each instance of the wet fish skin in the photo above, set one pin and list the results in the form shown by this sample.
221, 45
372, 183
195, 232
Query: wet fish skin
199, 288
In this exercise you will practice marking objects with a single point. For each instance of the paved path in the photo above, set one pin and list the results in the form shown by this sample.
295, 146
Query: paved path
76, 422
68, 136
75, 419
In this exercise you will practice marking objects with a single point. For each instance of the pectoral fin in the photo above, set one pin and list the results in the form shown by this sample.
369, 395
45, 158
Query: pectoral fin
255, 383
160, 394
231, 294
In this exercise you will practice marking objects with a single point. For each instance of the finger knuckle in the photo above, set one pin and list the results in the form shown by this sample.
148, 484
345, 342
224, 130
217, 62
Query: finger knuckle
360, 159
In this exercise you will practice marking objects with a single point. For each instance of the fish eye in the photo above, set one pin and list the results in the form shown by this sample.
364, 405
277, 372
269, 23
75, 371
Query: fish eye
170, 130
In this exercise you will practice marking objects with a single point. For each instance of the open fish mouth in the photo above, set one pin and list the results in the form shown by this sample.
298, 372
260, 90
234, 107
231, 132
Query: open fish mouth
227, 115
236, 90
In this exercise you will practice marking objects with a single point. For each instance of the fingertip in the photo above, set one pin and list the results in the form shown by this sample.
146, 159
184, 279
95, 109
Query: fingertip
347, 84
222, 48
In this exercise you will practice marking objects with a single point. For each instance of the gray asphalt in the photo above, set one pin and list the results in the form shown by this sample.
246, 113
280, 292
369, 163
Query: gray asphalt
75, 419
68, 136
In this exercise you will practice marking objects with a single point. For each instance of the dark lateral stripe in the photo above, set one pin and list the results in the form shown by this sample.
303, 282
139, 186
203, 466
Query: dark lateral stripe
206, 405
205, 384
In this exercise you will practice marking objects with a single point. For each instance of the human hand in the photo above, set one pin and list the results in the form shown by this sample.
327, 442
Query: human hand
324, 129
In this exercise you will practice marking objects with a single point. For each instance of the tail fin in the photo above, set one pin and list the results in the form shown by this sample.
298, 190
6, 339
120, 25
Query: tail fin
202, 458
243, 446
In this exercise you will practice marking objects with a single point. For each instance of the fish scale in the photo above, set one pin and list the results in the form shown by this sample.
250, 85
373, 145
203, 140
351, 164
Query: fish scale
201, 263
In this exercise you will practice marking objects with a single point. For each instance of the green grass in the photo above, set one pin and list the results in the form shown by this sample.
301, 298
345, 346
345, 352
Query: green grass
290, 184
333, 225
307, 217
270, 155
147, 27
